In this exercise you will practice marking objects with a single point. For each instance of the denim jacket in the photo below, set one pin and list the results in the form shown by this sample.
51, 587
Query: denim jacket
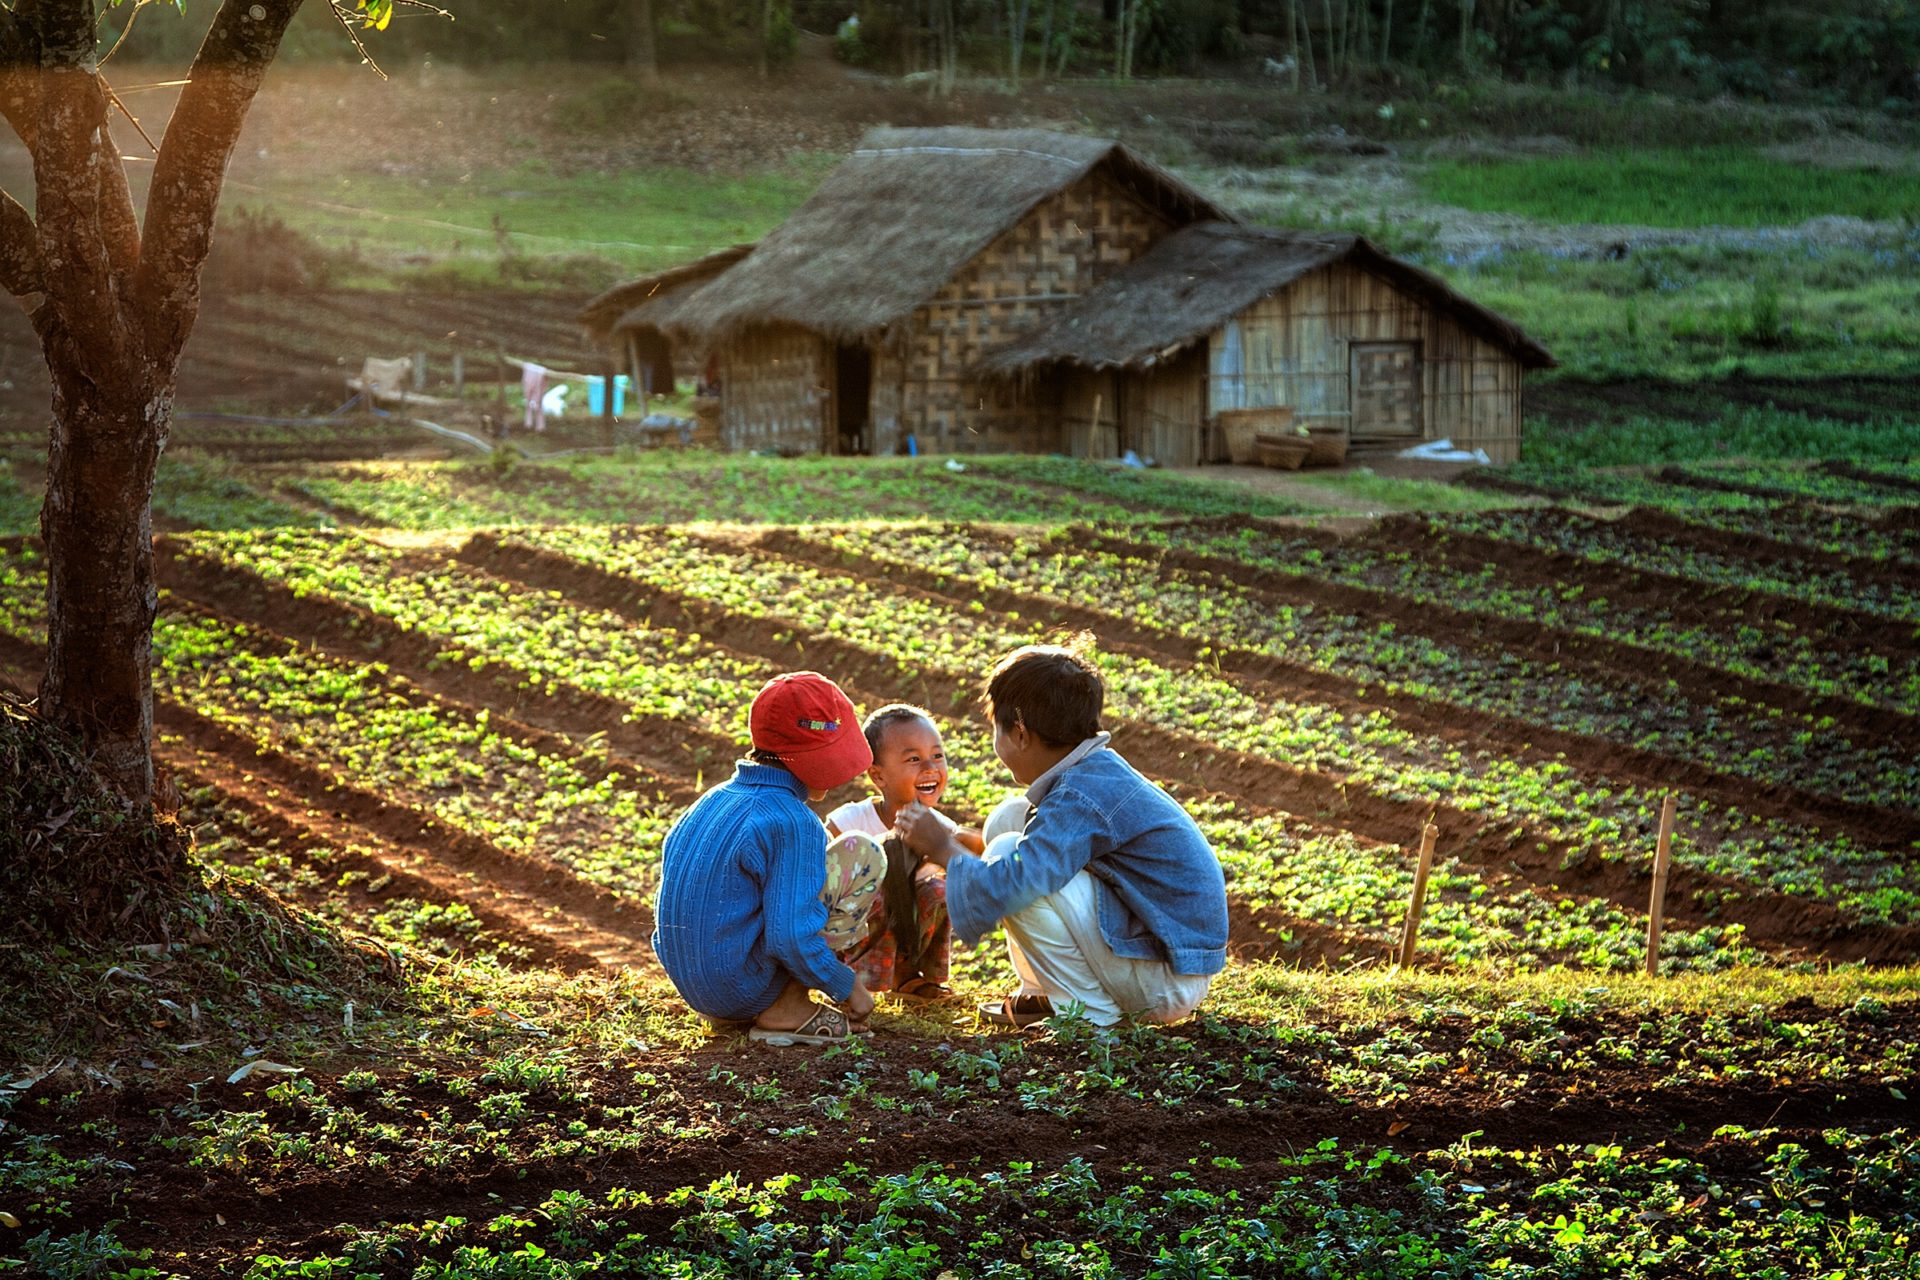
1161, 893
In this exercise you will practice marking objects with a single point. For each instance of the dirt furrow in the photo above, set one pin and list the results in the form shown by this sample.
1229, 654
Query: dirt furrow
1255, 933
1866, 475
1656, 672
659, 753
402, 872
1113, 1136
1276, 678
1686, 599
1325, 799
1664, 526
561, 919
539, 897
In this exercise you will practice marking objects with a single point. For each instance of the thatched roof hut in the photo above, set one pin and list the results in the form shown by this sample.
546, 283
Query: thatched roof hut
649, 301
1194, 281
900, 217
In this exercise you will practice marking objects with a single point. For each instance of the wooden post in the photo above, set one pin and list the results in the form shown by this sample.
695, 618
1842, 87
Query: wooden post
500, 385
1410, 933
1662, 854
459, 373
420, 371
606, 402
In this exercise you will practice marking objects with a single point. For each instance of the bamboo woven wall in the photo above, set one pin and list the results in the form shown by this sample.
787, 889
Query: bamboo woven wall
1296, 351
1164, 410
1058, 251
1158, 413
774, 391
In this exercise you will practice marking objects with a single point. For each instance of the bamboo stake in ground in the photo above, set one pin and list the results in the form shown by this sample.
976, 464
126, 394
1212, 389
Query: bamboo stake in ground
1662, 853
1410, 934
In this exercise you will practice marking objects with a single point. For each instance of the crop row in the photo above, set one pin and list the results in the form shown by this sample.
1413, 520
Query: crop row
1760, 648
1212, 613
1366, 751
1331, 877
1787, 482
1605, 542
374, 731
1823, 529
668, 488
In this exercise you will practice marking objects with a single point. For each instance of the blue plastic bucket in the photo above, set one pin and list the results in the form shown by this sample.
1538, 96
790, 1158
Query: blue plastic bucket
597, 395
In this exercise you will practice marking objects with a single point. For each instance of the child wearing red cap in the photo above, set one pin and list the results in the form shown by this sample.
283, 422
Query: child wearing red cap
753, 908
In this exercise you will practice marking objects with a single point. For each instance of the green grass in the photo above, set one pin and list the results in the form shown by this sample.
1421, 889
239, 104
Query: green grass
1702, 187
1393, 493
1705, 311
631, 220
1751, 433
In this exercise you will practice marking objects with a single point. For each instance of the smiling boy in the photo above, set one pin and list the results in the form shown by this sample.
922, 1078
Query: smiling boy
907, 946
1111, 897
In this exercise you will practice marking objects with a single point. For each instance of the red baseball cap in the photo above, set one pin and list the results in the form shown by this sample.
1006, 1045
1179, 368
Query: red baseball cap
804, 719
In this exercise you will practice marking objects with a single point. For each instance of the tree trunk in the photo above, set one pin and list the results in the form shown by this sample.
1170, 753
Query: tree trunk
101, 596
1466, 32
1046, 38
1306, 45
1333, 54
766, 35
1293, 40
1386, 34
113, 302
642, 60
1019, 17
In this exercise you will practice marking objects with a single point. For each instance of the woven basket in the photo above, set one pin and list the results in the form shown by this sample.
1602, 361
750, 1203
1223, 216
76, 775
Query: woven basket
1242, 427
1326, 446
1283, 454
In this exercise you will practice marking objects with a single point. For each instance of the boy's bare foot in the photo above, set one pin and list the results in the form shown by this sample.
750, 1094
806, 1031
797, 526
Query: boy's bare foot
790, 1009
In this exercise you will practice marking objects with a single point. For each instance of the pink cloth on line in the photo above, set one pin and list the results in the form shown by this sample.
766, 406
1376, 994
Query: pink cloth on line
533, 382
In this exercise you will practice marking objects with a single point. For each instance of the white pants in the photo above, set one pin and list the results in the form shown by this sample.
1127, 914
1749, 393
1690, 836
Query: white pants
1058, 951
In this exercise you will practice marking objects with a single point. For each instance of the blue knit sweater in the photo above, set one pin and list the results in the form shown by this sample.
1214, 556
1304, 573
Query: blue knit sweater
740, 909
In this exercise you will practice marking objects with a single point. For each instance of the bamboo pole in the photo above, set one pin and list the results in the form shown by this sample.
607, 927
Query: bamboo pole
1410, 933
1662, 854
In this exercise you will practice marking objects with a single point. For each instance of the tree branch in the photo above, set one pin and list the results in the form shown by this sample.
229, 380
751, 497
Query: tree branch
19, 75
19, 250
119, 222
77, 265
185, 194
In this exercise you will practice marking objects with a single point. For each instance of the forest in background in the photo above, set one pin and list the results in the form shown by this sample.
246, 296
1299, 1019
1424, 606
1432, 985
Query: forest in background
1863, 53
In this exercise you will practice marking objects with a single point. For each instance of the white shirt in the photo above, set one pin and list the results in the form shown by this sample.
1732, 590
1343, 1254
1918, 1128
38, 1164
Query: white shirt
864, 816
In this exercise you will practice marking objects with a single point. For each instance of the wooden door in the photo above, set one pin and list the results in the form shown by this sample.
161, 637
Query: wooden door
1386, 390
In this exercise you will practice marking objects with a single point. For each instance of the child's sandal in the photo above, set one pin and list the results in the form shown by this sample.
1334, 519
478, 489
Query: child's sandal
826, 1026
1017, 1012
923, 991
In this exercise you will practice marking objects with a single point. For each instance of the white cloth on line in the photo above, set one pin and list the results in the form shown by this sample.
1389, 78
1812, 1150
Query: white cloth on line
533, 385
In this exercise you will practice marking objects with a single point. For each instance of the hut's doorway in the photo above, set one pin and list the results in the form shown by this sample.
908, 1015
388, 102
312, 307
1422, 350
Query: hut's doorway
1386, 391
852, 393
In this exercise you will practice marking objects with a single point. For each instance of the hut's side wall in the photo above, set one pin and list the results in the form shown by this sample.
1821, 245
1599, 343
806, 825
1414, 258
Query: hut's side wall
1164, 411
773, 391
1296, 349
1057, 252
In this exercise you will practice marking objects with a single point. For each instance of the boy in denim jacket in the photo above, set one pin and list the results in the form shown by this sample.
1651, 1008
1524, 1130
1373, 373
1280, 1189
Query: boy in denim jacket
1111, 897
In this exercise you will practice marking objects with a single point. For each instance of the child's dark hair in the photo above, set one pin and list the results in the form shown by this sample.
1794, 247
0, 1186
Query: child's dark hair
875, 726
1054, 690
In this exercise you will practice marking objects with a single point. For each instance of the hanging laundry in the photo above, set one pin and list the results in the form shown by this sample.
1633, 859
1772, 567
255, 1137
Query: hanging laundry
533, 384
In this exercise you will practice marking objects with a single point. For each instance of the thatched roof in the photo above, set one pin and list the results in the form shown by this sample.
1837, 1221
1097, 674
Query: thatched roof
901, 216
648, 300
1201, 276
